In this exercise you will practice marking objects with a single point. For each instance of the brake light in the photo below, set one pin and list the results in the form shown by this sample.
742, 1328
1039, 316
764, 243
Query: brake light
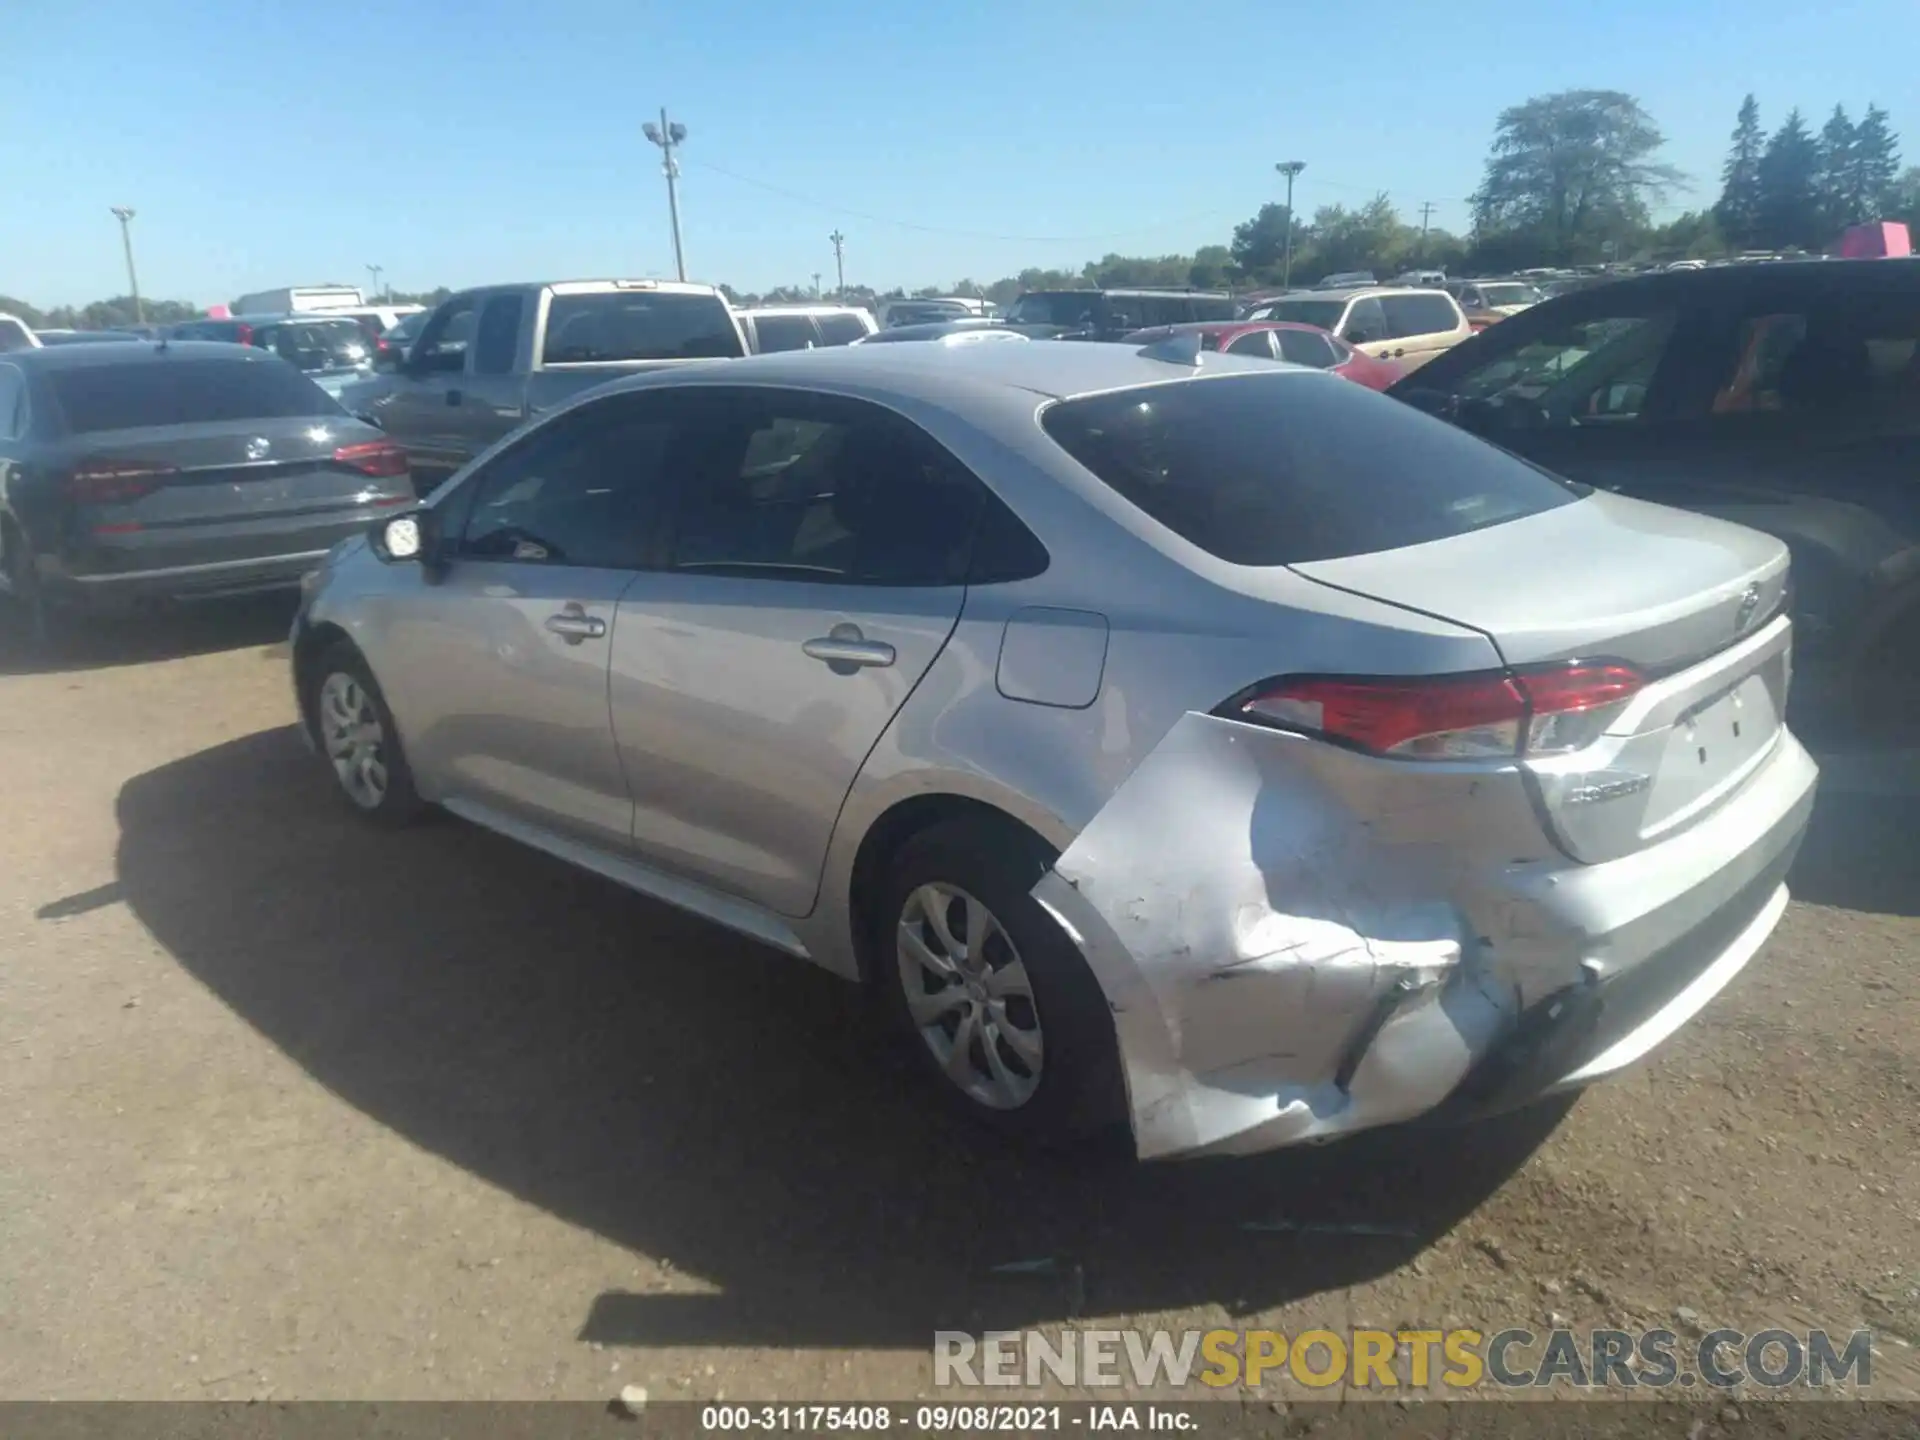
246, 334
373, 457
115, 482
1549, 710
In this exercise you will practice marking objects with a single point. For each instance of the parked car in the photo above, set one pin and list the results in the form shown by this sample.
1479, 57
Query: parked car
770, 329
1278, 340
16, 334
946, 332
378, 321
489, 358
392, 348
332, 350
84, 337
1493, 299
927, 312
1111, 314
1346, 280
141, 472
1215, 750
1783, 396
1409, 326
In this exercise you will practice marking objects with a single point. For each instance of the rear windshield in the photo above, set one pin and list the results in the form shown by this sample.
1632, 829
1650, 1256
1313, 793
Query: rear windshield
645, 325
1067, 308
183, 392
316, 345
1284, 469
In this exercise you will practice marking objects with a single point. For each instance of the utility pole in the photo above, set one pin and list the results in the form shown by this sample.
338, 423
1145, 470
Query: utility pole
669, 138
1289, 168
840, 263
376, 271
1426, 214
124, 214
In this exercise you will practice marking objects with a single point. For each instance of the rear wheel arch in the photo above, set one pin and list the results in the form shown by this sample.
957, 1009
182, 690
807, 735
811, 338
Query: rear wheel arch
888, 834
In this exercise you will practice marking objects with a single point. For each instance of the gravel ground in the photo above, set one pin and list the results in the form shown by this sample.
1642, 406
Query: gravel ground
296, 1109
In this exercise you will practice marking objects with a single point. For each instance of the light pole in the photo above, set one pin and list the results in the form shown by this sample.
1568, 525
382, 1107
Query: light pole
376, 271
124, 214
1289, 168
816, 284
669, 137
839, 263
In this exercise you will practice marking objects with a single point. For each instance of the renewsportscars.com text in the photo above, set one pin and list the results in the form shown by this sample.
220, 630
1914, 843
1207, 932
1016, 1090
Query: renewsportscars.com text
1459, 1359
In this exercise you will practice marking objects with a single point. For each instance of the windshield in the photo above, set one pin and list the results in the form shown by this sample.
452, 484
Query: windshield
183, 392
1511, 294
1287, 468
644, 325
1323, 313
316, 345
1066, 308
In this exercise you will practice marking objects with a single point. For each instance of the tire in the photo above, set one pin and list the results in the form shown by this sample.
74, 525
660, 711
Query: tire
1057, 1082
369, 768
37, 617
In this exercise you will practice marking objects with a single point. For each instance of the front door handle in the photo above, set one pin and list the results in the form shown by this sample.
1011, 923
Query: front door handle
846, 649
573, 624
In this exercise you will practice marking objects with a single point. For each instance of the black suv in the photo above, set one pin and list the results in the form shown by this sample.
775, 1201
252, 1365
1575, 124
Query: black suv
1113, 314
1782, 396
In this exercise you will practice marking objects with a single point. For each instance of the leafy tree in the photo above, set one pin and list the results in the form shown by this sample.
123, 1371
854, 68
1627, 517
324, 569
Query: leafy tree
1693, 236
1259, 244
1875, 164
24, 311
1574, 168
1790, 211
1903, 199
1213, 268
1739, 209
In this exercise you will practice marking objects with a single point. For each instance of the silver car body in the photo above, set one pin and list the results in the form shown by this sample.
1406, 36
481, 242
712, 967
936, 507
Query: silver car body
1296, 940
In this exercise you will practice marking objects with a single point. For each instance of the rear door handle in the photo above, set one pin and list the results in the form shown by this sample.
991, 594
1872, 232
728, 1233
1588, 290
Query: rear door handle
851, 650
574, 625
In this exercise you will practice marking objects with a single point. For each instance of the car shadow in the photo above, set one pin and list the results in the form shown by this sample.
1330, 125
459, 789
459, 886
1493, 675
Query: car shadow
144, 636
1861, 852
732, 1113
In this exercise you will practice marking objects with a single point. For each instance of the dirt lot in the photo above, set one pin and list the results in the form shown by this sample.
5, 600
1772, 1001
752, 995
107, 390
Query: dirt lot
295, 1108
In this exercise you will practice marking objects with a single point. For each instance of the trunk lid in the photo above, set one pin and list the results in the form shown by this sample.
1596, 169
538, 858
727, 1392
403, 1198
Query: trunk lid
237, 470
1696, 605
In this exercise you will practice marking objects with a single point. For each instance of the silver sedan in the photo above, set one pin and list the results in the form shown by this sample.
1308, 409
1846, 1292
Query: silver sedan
1180, 742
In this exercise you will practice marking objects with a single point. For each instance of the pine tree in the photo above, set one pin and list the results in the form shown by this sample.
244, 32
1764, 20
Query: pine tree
1840, 202
1739, 207
1875, 163
1788, 206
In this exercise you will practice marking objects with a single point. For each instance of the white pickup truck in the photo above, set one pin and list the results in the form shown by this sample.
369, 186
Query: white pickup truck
491, 358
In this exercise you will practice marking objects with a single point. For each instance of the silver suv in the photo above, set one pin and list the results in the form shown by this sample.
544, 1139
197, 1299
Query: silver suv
1193, 743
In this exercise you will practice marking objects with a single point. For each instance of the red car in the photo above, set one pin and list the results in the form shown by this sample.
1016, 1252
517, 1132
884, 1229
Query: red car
1281, 340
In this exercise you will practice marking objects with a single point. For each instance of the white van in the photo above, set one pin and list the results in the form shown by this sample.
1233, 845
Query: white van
299, 300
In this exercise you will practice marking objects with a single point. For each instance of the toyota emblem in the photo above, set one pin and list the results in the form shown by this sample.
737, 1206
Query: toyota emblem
1749, 602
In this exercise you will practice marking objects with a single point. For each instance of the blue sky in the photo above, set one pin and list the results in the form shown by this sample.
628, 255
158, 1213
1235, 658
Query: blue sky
463, 141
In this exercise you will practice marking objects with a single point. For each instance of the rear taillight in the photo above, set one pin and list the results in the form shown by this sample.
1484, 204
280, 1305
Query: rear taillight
115, 482
245, 333
1545, 711
381, 458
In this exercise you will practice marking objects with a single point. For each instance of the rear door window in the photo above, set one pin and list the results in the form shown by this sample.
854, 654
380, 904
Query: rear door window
622, 325
1303, 347
1598, 370
1283, 469
497, 341
14, 336
841, 329
778, 333
1412, 315
178, 391
1254, 342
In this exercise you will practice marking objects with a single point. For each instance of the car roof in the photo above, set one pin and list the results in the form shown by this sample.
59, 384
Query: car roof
799, 310
1220, 327
137, 352
1862, 274
939, 375
1352, 292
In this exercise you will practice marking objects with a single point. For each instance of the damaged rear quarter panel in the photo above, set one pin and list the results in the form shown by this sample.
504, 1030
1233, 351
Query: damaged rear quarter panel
1260, 907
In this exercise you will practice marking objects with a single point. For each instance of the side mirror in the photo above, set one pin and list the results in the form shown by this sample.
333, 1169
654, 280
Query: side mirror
411, 537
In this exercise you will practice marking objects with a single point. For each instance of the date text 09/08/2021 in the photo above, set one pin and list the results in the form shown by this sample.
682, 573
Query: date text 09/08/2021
934, 1419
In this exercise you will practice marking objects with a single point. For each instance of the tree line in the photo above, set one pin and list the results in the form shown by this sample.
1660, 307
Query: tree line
1570, 178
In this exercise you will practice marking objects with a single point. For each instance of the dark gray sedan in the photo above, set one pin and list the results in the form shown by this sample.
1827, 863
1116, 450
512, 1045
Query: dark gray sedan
143, 472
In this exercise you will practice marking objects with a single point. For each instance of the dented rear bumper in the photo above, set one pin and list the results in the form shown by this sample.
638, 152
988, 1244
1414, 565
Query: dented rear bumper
1299, 942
